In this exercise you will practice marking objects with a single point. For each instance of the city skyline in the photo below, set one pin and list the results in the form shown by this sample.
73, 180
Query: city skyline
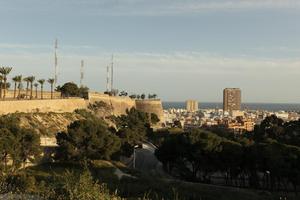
177, 49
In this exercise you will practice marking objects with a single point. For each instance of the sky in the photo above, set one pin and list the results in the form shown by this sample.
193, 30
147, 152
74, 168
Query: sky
178, 49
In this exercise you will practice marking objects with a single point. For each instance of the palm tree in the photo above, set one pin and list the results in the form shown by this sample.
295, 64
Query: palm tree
41, 82
51, 81
26, 79
19, 85
16, 80
36, 85
31, 80
5, 71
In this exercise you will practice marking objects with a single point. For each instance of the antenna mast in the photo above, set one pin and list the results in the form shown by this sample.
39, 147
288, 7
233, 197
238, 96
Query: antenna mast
112, 73
107, 79
81, 73
55, 63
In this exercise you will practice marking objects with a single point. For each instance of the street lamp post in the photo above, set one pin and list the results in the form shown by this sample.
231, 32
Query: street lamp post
134, 154
268, 179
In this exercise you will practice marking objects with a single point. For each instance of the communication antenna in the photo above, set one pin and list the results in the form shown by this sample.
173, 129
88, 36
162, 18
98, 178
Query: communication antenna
81, 73
55, 63
107, 78
112, 73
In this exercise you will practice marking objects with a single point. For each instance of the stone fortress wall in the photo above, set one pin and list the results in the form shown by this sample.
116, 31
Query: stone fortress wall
46, 105
46, 94
119, 105
151, 106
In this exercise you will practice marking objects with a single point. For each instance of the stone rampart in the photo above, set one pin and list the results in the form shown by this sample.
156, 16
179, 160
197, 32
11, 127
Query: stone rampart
151, 106
35, 94
118, 105
54, 105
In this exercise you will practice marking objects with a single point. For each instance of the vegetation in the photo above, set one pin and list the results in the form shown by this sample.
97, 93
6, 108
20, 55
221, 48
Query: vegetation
51, 81
31, 79
142, 96
86, 140
70, 89
17, 80
42, 82
16, 145
196, 156
266, 159
132, 128
4, 71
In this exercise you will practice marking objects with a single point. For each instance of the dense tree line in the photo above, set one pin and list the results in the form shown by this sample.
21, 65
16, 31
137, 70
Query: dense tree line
268, 158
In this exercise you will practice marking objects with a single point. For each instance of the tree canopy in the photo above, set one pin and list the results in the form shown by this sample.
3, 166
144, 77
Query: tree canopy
86, 140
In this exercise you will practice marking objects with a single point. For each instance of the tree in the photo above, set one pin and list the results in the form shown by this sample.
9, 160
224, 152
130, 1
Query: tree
42, 82
69, 89
5, 71
133, 96
132, 128
270, 127
154, 118
6, 141
36, 85
19, 86
143, 96
83, 92
51, 81
26, 79
31, 80
29, 147
173, 152
86, 140
16, 80
152, 96
17, 143
123, 93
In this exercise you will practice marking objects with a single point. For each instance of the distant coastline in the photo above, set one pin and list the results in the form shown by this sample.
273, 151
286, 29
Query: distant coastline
250, 106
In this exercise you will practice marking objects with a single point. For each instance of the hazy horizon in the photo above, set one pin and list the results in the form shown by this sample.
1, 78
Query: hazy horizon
180, 50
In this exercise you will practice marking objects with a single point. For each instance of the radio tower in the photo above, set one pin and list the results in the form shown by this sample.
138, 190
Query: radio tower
55, 63
107, 78
81, 73
112, 74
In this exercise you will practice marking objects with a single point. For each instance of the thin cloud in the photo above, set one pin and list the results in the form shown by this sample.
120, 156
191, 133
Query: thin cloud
144, 7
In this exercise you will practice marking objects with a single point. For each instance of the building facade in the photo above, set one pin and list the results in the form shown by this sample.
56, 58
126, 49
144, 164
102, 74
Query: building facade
192, 105
231, 99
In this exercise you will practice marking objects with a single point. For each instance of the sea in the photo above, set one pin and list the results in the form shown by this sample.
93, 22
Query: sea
272, 107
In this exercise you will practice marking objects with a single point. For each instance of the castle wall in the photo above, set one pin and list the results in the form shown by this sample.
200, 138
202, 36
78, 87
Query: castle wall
46, 94
151, 106
119, 105
54, 105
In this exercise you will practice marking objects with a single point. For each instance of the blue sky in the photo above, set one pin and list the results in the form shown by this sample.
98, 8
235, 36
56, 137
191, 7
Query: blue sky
179, 49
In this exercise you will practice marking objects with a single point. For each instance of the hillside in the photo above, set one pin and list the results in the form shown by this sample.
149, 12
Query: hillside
47, 124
